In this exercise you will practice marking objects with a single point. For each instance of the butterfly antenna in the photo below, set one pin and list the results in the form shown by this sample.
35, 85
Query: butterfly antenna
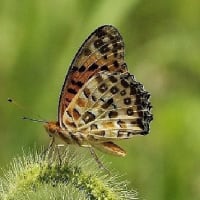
34, 120
24, 109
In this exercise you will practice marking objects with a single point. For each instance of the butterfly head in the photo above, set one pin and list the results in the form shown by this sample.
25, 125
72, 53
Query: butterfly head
52, 127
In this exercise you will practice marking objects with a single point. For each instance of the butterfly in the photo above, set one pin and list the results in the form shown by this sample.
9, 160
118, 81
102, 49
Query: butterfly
100, 101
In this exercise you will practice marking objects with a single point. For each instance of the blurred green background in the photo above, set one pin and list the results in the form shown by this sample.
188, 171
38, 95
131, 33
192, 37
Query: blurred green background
38, 40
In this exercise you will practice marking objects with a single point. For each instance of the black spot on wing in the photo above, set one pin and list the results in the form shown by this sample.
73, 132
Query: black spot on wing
124, 83
99, 78
93, 67
98, 43
121, 123
74, 69
93, 127
116, 64
105, 57
100, 133
113, 79
132, 90
107, 103
88, 117
114, 90
94, 98
86, 52
127, 101
113, 114
130, 112
103, 87
82, 68
104, 49
104, 68
78, 83
123, 92
71, 90
86, 92
100, 32
117, 46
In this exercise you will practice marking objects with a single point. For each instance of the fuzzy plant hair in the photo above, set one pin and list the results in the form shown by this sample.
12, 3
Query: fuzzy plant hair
37, 176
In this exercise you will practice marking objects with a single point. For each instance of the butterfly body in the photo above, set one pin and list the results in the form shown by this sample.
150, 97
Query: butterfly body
82, 140
101, 102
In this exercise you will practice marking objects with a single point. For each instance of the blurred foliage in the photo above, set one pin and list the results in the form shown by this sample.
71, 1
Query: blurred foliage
38, 40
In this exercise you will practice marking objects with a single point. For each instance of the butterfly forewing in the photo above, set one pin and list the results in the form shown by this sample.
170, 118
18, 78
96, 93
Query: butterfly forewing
102, 51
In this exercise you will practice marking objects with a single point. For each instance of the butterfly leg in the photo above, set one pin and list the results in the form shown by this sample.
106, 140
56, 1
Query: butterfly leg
51, 143
101, 165
59, 154
47, 150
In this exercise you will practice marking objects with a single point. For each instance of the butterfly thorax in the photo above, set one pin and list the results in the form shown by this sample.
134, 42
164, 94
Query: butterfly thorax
52, 127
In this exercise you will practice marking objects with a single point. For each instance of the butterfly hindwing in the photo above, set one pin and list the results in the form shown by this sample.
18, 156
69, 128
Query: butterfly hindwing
102, 51
110, 106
